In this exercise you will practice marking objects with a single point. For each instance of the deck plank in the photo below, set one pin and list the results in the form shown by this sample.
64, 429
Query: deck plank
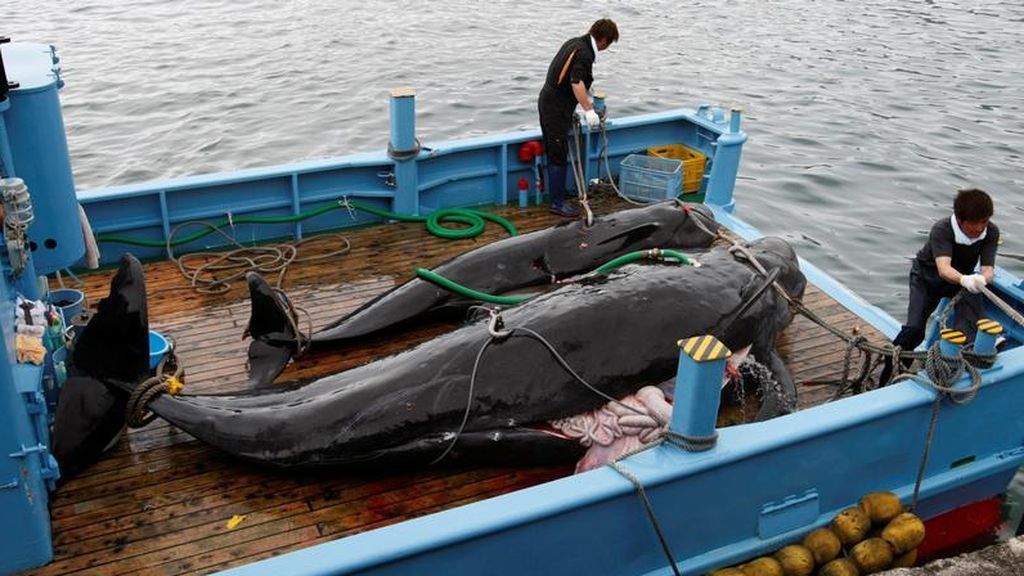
159, 501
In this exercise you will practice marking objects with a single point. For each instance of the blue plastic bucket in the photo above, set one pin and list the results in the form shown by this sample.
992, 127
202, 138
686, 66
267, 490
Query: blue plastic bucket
157, 348
69, 301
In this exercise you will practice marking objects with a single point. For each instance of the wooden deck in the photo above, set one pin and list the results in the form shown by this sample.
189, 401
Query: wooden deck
160, 501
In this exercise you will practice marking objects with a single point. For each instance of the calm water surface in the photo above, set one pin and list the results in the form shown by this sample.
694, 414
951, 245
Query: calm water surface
864, 117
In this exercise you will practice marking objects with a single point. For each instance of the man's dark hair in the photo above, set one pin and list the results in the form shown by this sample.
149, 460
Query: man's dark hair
972, 205
605, 29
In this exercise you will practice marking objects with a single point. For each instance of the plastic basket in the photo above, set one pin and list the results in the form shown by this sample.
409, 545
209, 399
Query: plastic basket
693, 163
649, 178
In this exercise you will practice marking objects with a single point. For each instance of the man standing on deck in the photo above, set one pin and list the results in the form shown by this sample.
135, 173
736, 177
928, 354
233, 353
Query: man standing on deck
945, 264
569, 77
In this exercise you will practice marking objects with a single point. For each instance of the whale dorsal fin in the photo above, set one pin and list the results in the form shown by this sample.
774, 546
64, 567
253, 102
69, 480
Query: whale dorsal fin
272, 331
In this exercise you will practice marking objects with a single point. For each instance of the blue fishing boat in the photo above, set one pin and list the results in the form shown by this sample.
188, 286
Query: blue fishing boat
158, 500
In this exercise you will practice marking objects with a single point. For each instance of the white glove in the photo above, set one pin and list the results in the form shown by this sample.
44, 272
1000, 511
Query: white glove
973, 283
592, 119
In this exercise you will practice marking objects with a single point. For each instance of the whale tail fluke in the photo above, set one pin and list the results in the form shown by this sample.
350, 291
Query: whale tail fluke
109, 356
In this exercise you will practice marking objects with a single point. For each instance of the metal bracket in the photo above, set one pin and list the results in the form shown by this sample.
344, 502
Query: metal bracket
388, 177
26, 450
1011, 453
790, 513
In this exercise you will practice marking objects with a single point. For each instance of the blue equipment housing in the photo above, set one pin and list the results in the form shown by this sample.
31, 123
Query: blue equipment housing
39, 155
32, 147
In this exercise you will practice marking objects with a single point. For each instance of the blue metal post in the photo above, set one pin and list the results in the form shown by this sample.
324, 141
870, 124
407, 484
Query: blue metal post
403, 149
726, 165
985, 339
698, 385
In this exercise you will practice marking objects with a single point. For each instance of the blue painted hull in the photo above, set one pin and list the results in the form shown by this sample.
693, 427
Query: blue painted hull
764, 485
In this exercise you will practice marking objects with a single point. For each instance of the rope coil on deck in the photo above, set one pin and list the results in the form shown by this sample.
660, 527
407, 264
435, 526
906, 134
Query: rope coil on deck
168, 379
273, 259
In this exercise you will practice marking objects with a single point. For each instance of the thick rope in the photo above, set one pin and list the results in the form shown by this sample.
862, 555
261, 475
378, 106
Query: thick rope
1003, 305
862, 344
137, 411
942, 373
649, 508
578, 176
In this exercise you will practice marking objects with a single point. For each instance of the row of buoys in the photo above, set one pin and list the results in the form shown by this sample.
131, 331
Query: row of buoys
876, 534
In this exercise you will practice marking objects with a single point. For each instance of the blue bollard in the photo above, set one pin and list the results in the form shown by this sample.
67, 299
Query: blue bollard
734, 120
951, 342
403, 149
698, 386
726, 165
985, 339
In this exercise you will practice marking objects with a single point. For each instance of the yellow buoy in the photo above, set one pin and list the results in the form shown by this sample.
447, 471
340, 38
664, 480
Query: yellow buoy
906, 561
872, 555
796, 560
905, 533
851, 525
881, 507
764, 566
839, 567
823, 544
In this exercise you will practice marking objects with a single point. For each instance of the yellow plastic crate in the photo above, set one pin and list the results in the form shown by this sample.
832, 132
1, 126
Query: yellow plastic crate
693, 163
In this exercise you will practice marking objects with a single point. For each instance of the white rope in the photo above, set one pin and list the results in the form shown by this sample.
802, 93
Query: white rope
577, 172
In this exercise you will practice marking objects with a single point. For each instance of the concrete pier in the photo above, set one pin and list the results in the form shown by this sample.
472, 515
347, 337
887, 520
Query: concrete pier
1006, 558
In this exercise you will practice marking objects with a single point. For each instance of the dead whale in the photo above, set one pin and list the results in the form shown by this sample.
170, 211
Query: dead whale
470, 394
539, 258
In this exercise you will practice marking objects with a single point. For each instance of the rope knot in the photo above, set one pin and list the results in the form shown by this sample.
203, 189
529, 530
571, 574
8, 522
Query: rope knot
169, 378
174, 386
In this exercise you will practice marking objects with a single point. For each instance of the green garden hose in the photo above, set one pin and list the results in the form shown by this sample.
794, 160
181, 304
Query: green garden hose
475, 219
461, 290
653, 255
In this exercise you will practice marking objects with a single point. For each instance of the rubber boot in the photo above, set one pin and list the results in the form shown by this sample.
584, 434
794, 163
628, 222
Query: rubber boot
556, 185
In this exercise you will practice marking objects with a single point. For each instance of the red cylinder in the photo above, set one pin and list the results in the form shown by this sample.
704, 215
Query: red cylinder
524, 184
